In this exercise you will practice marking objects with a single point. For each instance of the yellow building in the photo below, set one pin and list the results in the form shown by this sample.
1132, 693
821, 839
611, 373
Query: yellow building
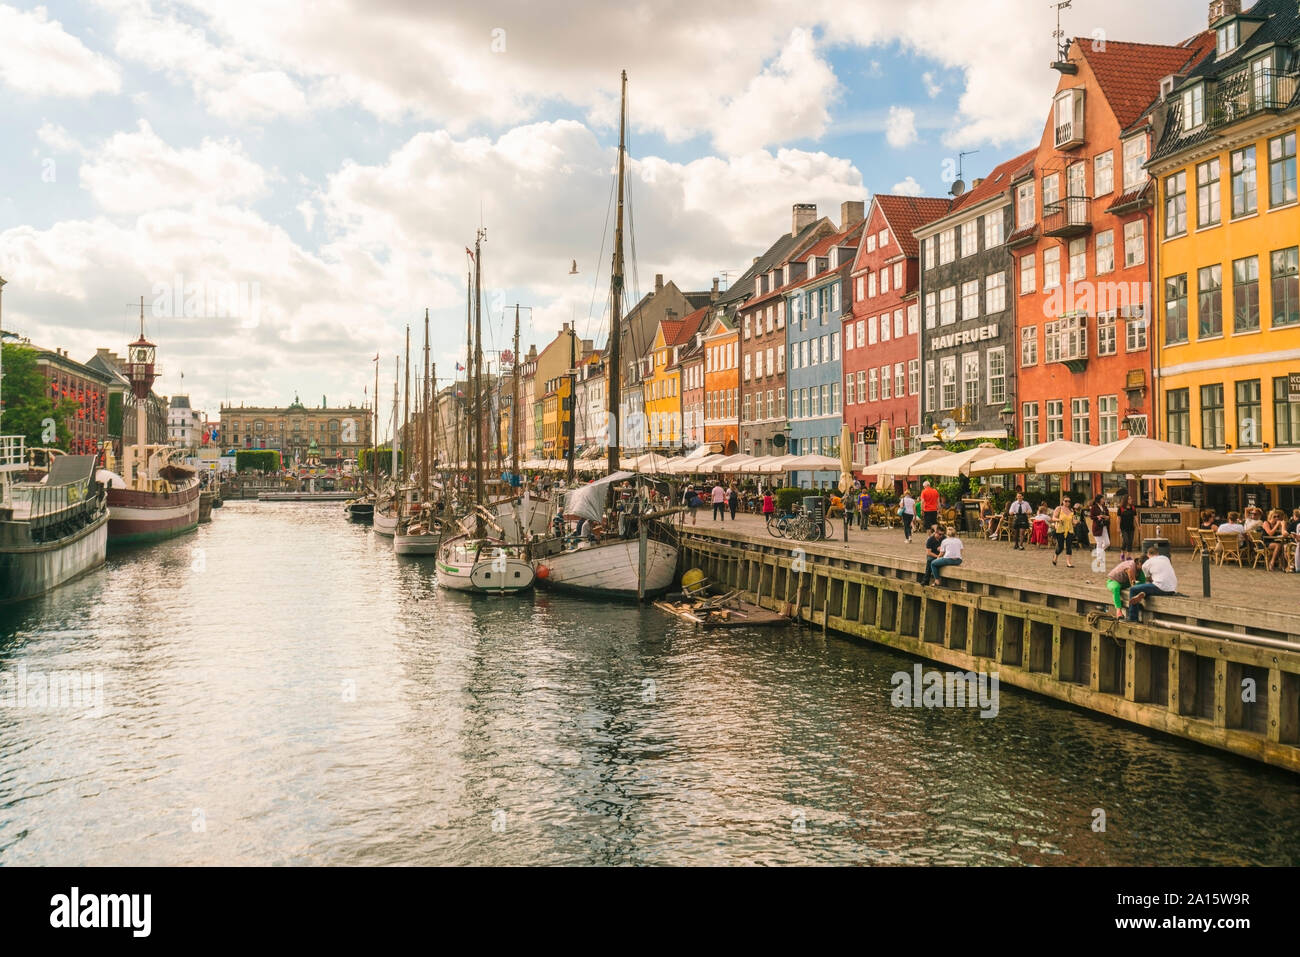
557, 413
1227, 283
663, 383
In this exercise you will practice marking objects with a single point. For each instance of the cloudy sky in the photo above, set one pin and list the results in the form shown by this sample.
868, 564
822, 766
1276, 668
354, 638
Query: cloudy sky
328, 163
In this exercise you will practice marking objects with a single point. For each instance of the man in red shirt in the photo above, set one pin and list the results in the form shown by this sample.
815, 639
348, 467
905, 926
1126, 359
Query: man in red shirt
929, 505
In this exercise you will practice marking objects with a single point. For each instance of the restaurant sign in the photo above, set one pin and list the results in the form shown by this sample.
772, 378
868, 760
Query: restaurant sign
1293, 386
965, 337
1160, 518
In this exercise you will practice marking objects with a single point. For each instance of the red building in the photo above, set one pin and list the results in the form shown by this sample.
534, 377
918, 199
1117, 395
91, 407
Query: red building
1083, 246
881, 365
68, 379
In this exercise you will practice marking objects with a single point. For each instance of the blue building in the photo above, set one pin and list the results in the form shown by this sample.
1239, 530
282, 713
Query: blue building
813, 372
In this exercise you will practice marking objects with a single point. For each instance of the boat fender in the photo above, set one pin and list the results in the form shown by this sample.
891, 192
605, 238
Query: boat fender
543, 572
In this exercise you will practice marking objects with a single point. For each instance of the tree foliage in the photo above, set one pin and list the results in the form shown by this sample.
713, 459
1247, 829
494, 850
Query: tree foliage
384, 454
258, 460
28, 408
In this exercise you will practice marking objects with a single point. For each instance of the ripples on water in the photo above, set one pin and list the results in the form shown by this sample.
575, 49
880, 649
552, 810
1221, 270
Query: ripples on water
543, 730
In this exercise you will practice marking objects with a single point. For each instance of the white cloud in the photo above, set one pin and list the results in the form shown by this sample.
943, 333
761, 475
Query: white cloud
38, 56
908, 187
135, 172
932, 86
308, 213
258, 96
900, 130
57, 138
788, 100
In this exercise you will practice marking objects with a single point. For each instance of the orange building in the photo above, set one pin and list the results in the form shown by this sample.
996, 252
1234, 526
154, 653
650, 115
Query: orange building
722, 384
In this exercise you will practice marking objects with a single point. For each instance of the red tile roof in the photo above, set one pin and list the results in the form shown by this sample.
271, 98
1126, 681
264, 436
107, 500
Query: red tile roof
1129, 73
997, 181
907, 213
678, 331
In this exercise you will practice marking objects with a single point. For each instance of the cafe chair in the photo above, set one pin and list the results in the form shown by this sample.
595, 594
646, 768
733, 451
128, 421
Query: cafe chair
1198, 541
1258, 548
1229, 548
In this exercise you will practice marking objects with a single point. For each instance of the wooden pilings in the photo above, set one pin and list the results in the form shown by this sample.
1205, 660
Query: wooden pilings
1239, 697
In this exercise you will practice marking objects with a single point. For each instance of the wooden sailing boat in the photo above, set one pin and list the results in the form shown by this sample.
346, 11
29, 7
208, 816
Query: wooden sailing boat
362, 508
475, 561
421, 536
612, 563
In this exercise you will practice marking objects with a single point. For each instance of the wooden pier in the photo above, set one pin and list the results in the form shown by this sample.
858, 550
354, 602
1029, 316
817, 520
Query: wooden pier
1223, 676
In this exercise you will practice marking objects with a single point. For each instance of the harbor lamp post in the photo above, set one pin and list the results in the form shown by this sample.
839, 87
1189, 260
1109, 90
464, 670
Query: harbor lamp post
1008, 416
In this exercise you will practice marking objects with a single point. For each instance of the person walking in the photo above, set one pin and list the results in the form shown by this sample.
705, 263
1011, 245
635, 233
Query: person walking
733, 500
907, 511
1160, 580
691, 499
769, 505
1124, 575
864, 507
1127, 512
929, 505
719, 497
1099, 516
949, 554
1063, 531
1018, 513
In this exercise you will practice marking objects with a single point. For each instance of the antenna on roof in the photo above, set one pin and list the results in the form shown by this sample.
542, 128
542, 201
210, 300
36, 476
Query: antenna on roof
959, 185
1062, 62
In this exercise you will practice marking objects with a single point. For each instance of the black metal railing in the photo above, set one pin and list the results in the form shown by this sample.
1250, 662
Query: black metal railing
1246, 93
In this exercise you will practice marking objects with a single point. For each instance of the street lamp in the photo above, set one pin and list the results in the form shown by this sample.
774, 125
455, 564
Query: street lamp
1008, 416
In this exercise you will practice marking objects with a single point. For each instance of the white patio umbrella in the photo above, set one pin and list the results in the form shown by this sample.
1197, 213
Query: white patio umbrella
959, 463
1261, 470
1137, 455
737, 464
1024, 460
905, 465
812, 462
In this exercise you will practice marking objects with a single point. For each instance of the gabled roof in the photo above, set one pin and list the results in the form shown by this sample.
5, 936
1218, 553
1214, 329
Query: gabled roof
1129, 74
998, 180
848, 237
780, 252
906, 214
680, 331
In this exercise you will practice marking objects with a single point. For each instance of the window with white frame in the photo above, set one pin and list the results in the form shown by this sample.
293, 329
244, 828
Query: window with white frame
948, 306
1107, 418
885, 328
929, 245
816, 347
1135, 157
1080, 421
898, 323
1025, 206
1055, 419
947, 246
970, 299
970, 239
1073, 334
780, 361
1028, 275
1029, 423
872, 333
930, 316
947, 382
769, 319
1051, 267
871, 285
770, 357
1134, 243
1052, 341
747, 358
1105, 253
1135, 329
913, 376
780, 314
862, 385
900, 379
862, 332
886, 382
884, 280
835, 346
993, 229
970, 378
1103, 173
996, 360
849, 389
1051, 191
835, 397
1078, 251
862, 288
871, 242
931, 385
913, 319
1029, 346
898, 277
873, 378
995, 293
884, 238
805, 350
1106, 338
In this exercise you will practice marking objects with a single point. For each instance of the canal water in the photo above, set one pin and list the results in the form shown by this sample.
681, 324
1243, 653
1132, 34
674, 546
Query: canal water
279, 688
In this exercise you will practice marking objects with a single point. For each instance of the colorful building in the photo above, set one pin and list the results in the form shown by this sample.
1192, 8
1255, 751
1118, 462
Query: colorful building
663, 386
881, 368
722, 383
1082, 247
87, 387
1228, 317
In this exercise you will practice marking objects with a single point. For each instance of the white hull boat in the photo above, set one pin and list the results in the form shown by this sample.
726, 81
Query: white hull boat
609, 568
482, 566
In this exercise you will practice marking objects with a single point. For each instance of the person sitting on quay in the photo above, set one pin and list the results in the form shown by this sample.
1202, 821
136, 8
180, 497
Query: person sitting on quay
1124, 575
1160, 580
1018, 513
932, 544
949, 553
929, 505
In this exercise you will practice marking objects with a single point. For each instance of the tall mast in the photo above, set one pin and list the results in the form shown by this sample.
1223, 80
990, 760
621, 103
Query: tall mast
616, 291
514, 402
406, 392
478, 376
396, 444
570, 430
426, 426
469, 367
374, 435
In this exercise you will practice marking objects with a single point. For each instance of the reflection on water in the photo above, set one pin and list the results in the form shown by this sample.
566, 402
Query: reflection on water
280, 688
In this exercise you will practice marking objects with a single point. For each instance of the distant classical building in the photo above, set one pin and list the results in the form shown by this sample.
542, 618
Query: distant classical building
87, 386
185, 426
340, 433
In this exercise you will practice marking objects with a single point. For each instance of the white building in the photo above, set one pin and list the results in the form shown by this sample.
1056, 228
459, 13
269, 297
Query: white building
185, 426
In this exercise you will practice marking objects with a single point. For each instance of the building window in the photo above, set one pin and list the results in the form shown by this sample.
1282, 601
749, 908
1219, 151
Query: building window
1286, 414
898, 277
970, 299
1135, 157
1051, 341
1107, 418
1106, 339
886, 382
1212, 416
913, 320
1207, 193
929, 252
970, 379
1176, 309
993, 229
1193, 107
1178, 416
1028, 276
970, 242
948, 306
1029, 346
898, 323
1249, 425
900, 380
997, 375
873, 384
1078, 252
745, 408
1025, 204
931, 385
1176, 204
929, 310
872, 330
1073, 333
1103, 173
947, 246
1134, 244
995, 293
1209, 302
1244, 198
849, 392
947, 382
1051, 267
1286, 286
1245, 294
1051, 191
871, 285
1029, 423
1105, 251
1080, 421
1225, 39
835, 397
1055, 419
1281, 170
913, 376
884, 280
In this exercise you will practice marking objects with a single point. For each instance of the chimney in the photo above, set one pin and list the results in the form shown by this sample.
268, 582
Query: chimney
976, 181
713, 295
804, 214
1223, 8
851, 213
659, 283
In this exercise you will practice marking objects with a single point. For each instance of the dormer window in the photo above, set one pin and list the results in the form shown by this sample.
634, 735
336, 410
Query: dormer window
1069, 118
1226, 38
1193, 107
